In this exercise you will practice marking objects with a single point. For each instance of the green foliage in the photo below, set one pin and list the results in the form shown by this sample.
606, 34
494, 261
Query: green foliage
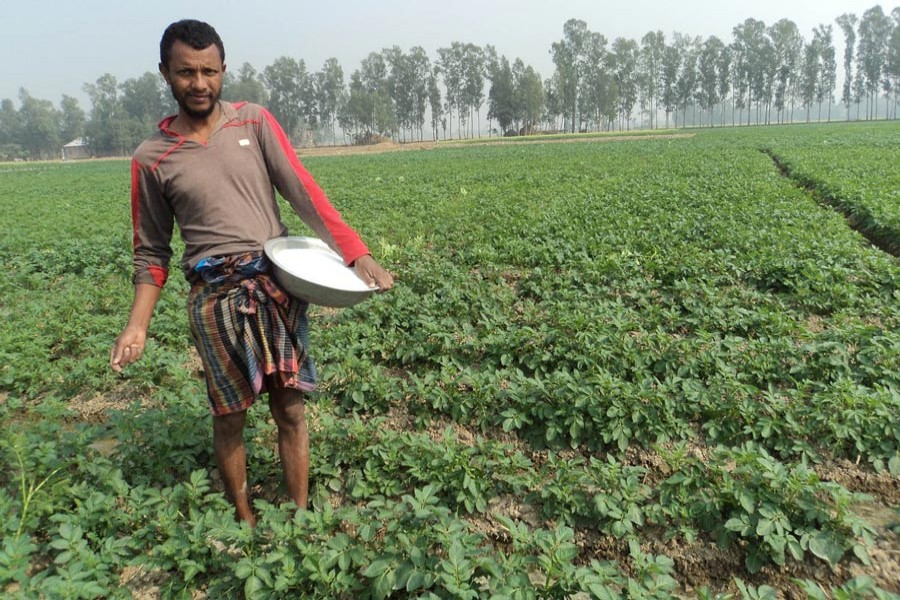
588, 344
852, 171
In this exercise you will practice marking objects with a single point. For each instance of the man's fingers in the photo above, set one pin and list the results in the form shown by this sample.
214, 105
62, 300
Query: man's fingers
122, 356
385, 282
373, 274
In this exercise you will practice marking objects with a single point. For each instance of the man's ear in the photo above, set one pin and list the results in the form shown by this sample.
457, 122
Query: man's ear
164, 71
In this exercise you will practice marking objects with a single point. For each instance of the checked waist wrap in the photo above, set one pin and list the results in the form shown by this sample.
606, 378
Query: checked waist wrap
247, 330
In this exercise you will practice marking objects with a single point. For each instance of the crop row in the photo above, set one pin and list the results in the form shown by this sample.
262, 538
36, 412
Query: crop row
855, 171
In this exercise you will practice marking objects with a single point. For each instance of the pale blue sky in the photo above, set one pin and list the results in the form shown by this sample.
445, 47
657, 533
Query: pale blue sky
53, 47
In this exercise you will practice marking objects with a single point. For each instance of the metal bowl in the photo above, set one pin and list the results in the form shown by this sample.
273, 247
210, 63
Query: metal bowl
308, 269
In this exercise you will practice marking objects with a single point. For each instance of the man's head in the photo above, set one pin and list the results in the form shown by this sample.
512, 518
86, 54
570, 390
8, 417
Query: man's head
192, 60
196, 34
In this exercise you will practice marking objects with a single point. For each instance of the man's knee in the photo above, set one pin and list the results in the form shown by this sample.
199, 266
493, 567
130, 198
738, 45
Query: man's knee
288, 409
230, 425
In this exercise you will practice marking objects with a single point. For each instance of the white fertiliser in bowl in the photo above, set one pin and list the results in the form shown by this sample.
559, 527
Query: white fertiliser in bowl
308, 269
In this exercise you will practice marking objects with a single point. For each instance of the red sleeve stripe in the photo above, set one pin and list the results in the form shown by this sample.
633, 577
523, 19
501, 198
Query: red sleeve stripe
347, 240
135, 211
159, 274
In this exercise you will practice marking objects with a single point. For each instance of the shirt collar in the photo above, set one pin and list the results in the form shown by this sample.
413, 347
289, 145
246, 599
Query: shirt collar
228, 113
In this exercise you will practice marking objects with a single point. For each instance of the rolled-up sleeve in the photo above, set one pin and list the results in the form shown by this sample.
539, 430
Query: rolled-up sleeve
152, 221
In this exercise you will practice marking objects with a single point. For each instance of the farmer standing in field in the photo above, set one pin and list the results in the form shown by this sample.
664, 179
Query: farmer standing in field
213, 169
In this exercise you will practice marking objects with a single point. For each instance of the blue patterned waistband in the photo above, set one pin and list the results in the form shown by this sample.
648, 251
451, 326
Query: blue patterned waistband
216, 269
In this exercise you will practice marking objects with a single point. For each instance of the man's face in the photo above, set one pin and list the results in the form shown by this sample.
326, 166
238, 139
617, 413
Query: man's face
195, 77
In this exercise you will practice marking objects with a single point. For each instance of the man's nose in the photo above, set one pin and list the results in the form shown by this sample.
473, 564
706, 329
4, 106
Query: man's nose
198, 81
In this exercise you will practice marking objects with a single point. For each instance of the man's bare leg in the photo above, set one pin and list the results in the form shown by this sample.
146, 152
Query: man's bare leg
228, 442
289, 413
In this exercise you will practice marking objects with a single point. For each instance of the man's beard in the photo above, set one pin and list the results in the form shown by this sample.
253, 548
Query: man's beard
192, 112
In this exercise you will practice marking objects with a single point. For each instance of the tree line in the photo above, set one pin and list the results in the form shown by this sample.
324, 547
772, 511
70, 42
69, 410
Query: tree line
764, 75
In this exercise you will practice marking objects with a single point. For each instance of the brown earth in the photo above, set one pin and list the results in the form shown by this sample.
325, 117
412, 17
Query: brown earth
410, 146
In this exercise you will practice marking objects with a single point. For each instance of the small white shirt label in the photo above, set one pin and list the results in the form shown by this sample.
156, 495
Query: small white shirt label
244, 142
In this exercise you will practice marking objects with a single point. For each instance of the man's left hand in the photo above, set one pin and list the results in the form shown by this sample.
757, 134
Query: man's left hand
372, 273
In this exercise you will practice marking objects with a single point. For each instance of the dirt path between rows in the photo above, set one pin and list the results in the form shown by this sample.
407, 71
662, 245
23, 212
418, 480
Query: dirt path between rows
410, 146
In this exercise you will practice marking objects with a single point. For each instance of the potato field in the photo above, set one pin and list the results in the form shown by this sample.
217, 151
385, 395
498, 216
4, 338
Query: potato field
655, 367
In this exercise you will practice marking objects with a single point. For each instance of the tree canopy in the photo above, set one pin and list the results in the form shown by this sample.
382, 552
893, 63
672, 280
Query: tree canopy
763, 75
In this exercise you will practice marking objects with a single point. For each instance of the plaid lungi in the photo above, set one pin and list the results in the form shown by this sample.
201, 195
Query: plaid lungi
246, 329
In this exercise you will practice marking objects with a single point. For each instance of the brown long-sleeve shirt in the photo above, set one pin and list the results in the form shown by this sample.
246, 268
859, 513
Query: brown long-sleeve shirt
222, 194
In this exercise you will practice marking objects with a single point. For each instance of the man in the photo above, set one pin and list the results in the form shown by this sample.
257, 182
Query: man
213, 169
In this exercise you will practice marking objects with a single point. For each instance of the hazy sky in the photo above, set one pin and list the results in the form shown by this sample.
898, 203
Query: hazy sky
53, 47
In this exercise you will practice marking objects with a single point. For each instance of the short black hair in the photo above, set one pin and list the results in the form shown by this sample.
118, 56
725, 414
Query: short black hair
197, 34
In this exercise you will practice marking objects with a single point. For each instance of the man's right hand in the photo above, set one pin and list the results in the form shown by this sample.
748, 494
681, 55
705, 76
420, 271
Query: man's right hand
128, 348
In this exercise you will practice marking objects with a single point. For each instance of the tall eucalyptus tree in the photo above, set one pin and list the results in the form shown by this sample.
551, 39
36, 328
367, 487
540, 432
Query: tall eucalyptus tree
671, 67
450, 64
72, 119
246, 86
707, 68
419, 70
686, 85
753, 54
787, 45
568, 57
290, 93
146, 101
472, 90
107, 129
501, 95
893, 61
329, 90
374, 78
397, 85
553, 105
39, 126
653, 46
847, 22
827, 75
809, 75
10, 132
874, 32
723, 68
531, 89
598, 94
434, 102
625, 59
